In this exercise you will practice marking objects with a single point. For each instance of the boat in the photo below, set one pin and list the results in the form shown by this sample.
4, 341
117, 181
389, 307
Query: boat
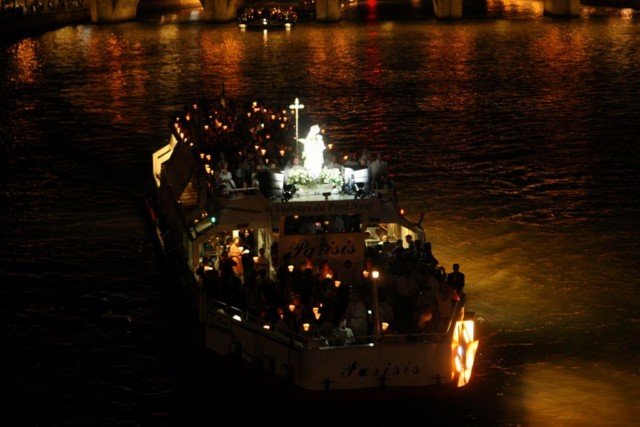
268, 17
323, 245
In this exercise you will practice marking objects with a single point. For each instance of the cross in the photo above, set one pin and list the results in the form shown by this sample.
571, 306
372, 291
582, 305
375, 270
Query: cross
296, 106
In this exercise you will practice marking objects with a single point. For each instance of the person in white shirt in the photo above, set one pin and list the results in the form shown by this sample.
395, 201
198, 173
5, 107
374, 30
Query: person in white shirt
225, 179
342, 334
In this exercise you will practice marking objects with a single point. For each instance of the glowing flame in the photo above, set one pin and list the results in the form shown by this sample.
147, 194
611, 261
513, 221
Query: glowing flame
463, 351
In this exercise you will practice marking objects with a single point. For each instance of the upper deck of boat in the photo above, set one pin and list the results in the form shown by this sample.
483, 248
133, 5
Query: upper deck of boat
223, 153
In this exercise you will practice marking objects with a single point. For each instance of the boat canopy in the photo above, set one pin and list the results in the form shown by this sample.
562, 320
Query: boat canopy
179, 169
245, 211
160, 156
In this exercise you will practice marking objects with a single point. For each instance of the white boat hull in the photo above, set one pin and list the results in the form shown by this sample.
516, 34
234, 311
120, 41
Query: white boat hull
316, 366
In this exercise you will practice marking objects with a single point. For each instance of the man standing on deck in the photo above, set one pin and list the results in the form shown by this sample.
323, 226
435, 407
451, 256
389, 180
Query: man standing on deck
455, 279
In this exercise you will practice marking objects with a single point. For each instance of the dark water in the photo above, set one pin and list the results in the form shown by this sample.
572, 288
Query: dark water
516, 134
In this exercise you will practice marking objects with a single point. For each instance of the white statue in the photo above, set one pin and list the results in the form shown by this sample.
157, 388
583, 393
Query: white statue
313, 151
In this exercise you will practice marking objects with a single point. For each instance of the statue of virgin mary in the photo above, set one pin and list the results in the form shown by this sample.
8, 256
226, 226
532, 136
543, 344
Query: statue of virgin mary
313, 152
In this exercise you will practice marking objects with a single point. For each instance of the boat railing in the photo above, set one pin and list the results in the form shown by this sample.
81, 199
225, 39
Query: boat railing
244, 190
311, 340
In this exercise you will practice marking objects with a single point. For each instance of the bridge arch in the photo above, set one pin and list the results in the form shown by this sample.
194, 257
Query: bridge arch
110, 11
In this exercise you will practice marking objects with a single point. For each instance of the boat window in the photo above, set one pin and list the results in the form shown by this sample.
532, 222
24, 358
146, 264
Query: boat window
322, 224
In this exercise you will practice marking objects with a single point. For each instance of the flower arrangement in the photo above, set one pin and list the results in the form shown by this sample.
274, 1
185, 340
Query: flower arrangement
331, 176
299, 176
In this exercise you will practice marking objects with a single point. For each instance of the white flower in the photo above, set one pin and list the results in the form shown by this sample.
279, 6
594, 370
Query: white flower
331, 176
298, 176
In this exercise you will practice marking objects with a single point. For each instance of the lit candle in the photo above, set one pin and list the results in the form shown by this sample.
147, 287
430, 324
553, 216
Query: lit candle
385, 326
290, 267
375, 274
292, 307
337, 283
305, 326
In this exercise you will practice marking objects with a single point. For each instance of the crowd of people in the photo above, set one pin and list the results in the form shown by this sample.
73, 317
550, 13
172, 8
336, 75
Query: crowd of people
415, 293
238, 145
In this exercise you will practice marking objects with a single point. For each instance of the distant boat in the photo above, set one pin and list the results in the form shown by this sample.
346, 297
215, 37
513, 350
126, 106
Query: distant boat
329, 254
268, 18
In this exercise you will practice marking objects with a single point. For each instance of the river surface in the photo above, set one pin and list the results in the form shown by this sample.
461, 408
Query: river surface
516, 134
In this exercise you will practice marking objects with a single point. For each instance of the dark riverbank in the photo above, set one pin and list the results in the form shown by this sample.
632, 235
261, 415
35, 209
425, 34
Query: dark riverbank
622, 4
14, 27
21, 26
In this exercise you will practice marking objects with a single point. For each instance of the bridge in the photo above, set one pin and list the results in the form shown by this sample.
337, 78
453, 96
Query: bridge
222, 11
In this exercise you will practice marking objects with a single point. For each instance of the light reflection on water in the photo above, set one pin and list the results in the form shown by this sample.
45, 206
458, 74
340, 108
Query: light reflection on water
27, 62
515, 9
570, 393
517, 137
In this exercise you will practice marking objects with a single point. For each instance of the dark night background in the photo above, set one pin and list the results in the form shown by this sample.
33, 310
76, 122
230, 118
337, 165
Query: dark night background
516, 134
